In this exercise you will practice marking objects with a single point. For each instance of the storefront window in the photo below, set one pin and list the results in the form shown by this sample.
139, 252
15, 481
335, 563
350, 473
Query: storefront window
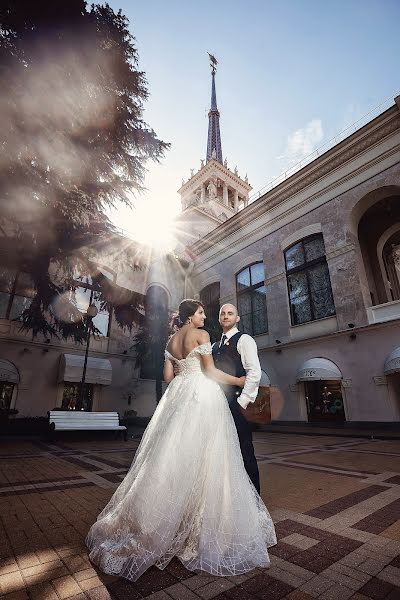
324, 401
71, 396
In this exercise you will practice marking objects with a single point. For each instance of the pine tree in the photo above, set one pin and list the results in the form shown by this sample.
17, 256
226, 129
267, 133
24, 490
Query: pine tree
73, 143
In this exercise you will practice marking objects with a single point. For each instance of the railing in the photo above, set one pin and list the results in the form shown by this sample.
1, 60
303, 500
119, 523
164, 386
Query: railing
342, 135
384, 312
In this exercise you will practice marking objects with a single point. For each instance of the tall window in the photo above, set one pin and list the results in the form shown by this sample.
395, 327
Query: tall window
6, 392
16, 293
309, 285
251, 299
209, 296
391, 260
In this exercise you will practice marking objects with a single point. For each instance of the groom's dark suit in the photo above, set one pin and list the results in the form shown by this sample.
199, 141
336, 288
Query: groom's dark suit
227, 359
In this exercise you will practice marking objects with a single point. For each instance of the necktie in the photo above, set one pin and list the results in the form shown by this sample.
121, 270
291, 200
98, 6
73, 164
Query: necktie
223, 340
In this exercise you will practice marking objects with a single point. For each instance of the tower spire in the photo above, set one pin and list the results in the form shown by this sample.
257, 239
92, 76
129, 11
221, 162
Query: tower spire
214, 149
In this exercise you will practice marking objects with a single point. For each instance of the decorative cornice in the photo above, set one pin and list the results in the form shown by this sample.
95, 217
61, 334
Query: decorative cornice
249, 260
275, 278
332, 335
197, 178
363, 139
203, 205
339, 251
215, 278
201, 209
300, 234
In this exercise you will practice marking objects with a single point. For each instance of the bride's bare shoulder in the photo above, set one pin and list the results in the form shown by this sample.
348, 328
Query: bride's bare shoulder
202, 336
194, 338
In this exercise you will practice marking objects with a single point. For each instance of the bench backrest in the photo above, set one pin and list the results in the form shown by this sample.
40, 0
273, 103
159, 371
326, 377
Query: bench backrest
81, 418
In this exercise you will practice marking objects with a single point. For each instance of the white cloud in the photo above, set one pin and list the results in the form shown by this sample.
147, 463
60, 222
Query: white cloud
303, 142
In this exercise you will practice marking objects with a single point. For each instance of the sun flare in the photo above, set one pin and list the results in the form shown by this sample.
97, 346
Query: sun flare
149, 223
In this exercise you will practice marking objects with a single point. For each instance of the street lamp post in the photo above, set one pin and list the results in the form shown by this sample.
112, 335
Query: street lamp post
90, 314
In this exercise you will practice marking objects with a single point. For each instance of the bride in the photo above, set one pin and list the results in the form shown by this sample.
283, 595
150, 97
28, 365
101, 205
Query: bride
187, 493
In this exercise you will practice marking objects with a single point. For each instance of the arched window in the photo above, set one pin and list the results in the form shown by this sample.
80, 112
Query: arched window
309, 284
209, 296
251, 299
391, 261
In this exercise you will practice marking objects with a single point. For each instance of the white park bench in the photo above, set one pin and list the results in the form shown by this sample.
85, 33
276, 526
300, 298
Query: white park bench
71, 420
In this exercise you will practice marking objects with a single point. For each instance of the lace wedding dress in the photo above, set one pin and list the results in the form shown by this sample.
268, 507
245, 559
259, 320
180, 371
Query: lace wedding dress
187, 493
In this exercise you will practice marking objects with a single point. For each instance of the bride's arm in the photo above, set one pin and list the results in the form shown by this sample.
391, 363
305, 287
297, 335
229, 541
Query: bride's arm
168, 371
207, 362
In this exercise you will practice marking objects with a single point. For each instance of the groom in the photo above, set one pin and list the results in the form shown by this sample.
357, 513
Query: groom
236, 354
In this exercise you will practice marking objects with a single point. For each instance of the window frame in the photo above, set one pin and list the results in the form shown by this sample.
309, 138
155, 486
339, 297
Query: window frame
13, 293
250, 289
305, 268
89, 389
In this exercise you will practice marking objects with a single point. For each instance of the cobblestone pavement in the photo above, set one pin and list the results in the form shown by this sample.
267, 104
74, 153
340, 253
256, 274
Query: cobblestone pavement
335, 503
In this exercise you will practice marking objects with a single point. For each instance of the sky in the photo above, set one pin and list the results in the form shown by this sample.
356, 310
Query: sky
292, 74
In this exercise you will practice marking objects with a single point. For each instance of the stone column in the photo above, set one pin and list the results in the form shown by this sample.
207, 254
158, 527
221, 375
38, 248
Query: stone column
235, 200
203, 193
246, 200
349, 284
225, 194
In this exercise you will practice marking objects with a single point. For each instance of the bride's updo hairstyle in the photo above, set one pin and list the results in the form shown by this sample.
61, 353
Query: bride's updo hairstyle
186, 309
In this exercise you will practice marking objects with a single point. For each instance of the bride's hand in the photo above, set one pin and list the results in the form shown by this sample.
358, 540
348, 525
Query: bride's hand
177, 369
242, 381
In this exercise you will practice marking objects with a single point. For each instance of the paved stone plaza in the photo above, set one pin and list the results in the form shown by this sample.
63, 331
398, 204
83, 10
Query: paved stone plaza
335, 502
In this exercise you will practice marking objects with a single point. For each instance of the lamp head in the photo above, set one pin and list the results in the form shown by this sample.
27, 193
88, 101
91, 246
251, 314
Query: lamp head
92, 311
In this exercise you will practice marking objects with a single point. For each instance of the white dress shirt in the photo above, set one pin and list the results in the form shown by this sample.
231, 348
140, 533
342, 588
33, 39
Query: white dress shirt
247, 349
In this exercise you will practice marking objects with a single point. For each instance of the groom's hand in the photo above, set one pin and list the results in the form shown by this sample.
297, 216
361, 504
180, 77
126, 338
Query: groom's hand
242, 381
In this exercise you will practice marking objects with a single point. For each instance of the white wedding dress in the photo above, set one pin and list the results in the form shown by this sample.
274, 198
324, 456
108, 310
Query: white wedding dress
187, 493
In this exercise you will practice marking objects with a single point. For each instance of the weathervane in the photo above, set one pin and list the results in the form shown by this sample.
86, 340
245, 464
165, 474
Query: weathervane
213, 63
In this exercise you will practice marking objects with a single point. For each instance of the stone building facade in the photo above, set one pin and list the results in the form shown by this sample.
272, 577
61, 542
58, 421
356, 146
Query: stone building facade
313, 266
324, 249
40, 373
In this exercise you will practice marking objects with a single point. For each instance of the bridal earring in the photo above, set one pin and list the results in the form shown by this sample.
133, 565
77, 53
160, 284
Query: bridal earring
189, 320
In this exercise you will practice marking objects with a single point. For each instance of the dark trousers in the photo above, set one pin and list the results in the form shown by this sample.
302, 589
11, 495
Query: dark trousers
246, 442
